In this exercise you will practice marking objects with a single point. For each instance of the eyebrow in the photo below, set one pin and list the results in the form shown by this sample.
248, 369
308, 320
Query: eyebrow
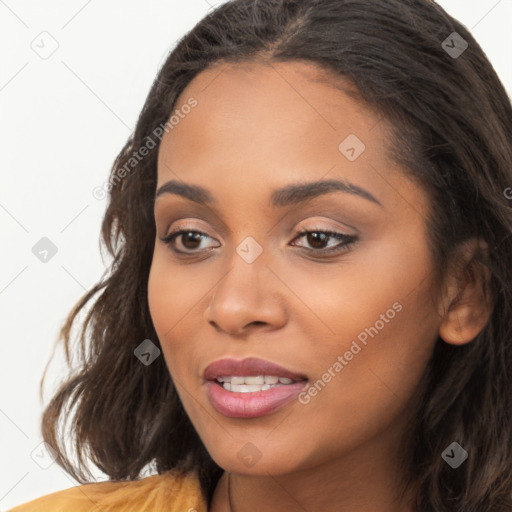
292, 194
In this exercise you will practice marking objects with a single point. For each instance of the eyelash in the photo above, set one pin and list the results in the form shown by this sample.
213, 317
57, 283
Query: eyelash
348, 241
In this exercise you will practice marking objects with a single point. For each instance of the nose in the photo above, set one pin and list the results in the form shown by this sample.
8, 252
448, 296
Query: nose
248, 297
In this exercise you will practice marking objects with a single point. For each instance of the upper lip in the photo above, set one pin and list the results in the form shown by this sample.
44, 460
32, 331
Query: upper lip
248, 367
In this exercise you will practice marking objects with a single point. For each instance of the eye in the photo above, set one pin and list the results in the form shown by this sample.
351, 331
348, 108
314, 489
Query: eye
317, 239
189, 239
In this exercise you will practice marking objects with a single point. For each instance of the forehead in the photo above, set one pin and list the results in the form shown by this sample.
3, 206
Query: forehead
292, 99
261, 126
290, 87
291, 106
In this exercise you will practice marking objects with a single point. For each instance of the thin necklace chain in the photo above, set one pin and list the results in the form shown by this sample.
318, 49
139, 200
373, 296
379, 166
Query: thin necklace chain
229, 493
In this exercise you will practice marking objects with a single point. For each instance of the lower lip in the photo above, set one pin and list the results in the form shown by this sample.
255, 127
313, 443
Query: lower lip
251, 405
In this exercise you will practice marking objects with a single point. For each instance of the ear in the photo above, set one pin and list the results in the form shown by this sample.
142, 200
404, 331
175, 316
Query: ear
467, 303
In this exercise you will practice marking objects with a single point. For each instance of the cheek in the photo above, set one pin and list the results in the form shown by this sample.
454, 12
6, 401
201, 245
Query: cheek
171, 292
174, 292
178, 297
365, 288
379, 319
359, 389
169, 300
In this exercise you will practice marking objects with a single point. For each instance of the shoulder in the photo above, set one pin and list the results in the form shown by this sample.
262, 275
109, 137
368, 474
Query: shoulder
171, 491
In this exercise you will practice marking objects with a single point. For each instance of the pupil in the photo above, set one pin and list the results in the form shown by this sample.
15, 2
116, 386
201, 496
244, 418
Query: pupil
315, 239
197, 237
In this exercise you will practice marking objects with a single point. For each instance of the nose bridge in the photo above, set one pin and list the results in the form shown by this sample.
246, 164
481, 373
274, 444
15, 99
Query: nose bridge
245, 294
247, 273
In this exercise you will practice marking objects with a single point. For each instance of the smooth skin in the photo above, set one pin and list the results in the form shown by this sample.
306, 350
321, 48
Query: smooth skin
257, 128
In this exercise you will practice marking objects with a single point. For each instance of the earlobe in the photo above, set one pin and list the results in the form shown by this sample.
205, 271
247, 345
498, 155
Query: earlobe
467, 304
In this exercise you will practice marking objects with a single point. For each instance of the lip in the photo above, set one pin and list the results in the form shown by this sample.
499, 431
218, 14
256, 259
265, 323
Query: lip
248, 367
253, 404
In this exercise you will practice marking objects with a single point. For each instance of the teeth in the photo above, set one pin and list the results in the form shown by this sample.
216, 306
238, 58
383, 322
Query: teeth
244, 388
248, 388
254, 380
252, 383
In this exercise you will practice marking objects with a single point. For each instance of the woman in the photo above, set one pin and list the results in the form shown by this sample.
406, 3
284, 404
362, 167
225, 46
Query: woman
309, 306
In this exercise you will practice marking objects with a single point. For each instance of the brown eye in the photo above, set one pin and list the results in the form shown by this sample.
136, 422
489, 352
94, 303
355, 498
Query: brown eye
318, 239
190, 240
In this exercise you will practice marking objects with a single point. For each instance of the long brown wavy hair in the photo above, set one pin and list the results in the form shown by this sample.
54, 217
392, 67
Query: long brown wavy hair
452, 130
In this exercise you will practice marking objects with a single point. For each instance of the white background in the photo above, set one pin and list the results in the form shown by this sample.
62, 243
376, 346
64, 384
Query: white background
64, 119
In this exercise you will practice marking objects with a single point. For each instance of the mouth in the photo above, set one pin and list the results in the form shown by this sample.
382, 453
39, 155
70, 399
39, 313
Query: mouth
251, 387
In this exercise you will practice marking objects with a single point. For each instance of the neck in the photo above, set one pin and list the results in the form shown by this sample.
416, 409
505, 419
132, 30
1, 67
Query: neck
333, 488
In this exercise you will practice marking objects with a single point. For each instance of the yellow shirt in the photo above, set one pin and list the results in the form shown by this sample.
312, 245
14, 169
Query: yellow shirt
168, 492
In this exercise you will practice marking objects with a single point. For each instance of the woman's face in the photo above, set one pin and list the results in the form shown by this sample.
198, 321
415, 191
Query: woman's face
355, 320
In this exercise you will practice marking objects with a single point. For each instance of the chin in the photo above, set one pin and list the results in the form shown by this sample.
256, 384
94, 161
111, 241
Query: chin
245, 457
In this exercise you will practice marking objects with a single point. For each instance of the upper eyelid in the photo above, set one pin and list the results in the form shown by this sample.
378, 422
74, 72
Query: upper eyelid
323, 229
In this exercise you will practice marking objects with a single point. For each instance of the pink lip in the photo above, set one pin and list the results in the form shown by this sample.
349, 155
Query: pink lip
250, 405
249, 366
